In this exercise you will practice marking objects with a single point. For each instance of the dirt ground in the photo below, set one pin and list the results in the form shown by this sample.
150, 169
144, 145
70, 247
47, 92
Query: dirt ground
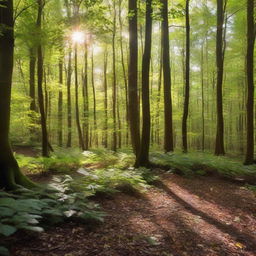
202, 216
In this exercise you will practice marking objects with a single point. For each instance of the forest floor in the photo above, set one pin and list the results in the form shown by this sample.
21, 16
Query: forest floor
177, 216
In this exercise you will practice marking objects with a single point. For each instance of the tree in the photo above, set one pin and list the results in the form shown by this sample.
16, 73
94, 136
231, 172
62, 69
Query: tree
143, 159
78, 125
133, 77
69, 109
219, 143
168, 125
105, 86
45, 142
114, 89
187, 83
10, 174
249, 159
86, 100
60, 103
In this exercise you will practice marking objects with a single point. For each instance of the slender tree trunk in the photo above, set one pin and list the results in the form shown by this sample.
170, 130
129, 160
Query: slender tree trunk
69, 110
168, 125
32, 69
143, 159
219, 144
79, 130
134, 111
114, 94
202, 95
159, 95
249, 158
32, 92
10, 174
60, 104
105, 85
45, 148
86, 100
124, 71
119, 120
187, 83
94, 104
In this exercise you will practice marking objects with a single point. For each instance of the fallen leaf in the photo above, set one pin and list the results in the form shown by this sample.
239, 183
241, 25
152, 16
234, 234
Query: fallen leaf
239, 245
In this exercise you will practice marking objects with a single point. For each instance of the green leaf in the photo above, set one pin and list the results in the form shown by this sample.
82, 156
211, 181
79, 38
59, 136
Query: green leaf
7, 201
6, 212
7, 230
4, 251
52, 212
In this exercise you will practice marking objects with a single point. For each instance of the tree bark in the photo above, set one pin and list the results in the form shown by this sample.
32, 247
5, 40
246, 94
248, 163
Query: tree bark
45, 148
60, 104
105, 85
187, 83
69, 110
219, 143
114, 94
32, 69
86, 101
168, 125
79, 130
143, 159
94, 104
134, 112
249, 158
124, 71
10, 175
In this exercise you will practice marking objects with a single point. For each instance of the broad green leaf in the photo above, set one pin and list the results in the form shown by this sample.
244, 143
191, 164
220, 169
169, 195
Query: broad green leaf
7, 230
7, 201
6, 212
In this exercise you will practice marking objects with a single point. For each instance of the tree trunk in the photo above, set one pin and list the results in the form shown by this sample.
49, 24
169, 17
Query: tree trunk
114, 144
105, 85
69, 112
10, 174
32, 93
45, 148
79, 130
157, 118
219, 143
32, 69
168, 126
187, 83
124, 72
60, 104
202, 95
249, 159
86, 101
134, 112
94, 104
143, 159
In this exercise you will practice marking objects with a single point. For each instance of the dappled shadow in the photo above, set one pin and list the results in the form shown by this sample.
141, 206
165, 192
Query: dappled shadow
159, 222
242, 237
215, 190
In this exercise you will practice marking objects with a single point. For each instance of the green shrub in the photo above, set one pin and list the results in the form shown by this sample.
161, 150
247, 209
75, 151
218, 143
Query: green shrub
109, 181
203, 163
34, 210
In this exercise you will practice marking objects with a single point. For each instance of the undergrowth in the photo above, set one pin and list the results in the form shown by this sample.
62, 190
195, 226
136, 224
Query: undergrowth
68, 160
203, 163
36, 210
67, 197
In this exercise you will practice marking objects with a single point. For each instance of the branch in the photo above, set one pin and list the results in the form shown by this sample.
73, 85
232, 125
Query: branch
232, 14
21, 11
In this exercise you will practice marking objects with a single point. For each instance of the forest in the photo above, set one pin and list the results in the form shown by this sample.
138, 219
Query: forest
127, 127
